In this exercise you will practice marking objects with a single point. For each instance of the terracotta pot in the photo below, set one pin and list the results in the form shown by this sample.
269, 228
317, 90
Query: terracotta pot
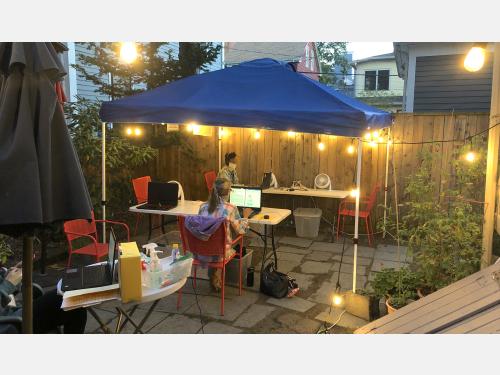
390, 309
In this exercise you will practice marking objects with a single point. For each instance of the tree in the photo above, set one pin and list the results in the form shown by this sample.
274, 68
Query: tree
156, 65
332, 54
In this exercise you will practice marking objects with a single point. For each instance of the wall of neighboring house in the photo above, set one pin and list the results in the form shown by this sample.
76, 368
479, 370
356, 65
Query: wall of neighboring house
396, 84
437, 81
309, 61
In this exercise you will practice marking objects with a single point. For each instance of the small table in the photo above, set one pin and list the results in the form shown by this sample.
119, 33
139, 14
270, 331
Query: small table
127, 309
313, 193
276, 216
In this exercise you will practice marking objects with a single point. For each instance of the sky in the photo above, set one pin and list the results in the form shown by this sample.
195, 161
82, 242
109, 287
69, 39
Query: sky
361, 50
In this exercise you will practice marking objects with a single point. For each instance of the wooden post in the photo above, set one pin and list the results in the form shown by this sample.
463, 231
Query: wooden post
492, 162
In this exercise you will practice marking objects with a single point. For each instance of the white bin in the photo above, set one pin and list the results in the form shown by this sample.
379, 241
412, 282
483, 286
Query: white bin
307, 221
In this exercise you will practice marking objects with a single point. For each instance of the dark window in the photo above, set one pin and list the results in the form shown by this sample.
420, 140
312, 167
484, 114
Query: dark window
370, 80
383, 80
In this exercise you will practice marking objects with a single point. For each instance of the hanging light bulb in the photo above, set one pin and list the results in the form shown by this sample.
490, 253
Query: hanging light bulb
196, 129
321, 146
128, 52
350, 149
256, 135
368, 136
373, 144
138, 132
337, 298
222, 132
354, 193
474, 60
291, 134
375, 134
471, 156
129, 131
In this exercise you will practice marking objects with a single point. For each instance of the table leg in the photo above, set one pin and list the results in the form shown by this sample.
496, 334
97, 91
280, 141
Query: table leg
102, 326
150, 310
274, 247
264, 250
150, 226
127, 318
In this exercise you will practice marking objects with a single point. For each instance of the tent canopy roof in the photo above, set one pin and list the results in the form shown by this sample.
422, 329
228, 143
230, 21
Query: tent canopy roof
262, 93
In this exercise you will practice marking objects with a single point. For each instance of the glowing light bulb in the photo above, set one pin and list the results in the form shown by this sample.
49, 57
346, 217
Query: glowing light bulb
321, 146
389, 142
474, 59
470, 156
354, 193
222, 133
128, 52
375, 134
373, 144
368, 136
256, 135
337, 299
196, 129
128, 131
350, 149
138, 131
291, 134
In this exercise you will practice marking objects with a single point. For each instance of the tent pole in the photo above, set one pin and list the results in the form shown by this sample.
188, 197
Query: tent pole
103, 183
220, 148
386, 177
355, 240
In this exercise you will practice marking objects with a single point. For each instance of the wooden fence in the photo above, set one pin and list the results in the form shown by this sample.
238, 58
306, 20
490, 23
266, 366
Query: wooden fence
297, 157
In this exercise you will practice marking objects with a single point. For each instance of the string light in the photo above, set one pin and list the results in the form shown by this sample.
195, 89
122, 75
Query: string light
474, 60
138, 132
350, 149
368, 136
133, 131
471, 156
375, 134
337, 299
129, 131
354, 193
128, 52
222, 133
291, 134
321, 146
373, 144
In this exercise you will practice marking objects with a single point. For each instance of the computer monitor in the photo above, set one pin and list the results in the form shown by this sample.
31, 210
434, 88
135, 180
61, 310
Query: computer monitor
246, 197
163, 193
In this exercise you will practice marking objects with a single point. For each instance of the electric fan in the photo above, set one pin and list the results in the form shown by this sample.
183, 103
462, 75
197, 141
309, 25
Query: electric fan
322, 181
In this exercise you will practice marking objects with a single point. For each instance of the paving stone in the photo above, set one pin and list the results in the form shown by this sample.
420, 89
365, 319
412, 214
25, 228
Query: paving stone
296, 241
315, 267
151, 322
298, 323
286, 266
295, 303
347, 268
332, 247
253, 315
324, 293
392, 248
363, 251
234, 305
379, 264
386, 255
290, 256
169, 303
256, 242
108, 317
219, 328
319, 256
177, 324
304, 281
295, 250
347, 320
346, 280
350, 260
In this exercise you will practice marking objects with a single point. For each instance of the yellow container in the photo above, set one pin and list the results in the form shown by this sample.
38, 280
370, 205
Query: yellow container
130, 272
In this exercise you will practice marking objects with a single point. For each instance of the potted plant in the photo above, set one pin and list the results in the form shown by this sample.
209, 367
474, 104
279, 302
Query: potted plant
398, 287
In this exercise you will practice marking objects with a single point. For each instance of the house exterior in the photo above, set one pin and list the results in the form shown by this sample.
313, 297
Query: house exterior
76, 85
303, 54
377, 83
436, 81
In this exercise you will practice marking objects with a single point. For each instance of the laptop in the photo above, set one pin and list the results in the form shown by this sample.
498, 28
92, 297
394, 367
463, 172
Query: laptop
161, 196
246, 197
93, 276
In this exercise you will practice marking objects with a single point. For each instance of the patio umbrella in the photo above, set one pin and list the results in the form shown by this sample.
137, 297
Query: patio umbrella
41, 179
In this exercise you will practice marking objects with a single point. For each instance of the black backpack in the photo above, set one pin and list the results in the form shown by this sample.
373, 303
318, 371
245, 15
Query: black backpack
275, 284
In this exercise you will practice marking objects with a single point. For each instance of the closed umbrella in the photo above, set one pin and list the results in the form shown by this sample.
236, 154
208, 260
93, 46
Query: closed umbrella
41, 179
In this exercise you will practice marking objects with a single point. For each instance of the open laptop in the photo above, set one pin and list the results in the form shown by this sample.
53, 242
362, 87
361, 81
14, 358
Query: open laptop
246, 197
161, 196
93, 276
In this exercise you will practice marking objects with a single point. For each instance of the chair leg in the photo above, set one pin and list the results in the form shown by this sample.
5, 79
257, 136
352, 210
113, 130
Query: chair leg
137, 216
338, 226
194, 276
69, 259
223, 290
368, 232
241, 261
343, 224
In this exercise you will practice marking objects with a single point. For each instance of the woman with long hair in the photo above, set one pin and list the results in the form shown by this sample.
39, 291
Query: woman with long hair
218, 206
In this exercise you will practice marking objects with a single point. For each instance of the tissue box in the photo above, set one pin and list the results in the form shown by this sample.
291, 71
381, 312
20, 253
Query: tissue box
130, 272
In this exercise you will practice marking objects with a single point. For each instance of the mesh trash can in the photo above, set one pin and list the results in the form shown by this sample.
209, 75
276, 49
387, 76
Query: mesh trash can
307, 222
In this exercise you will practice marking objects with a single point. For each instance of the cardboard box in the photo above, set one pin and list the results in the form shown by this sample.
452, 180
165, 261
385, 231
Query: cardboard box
130, 272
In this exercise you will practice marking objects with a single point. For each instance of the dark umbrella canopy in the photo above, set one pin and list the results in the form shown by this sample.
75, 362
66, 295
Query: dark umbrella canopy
41, 181
41, 178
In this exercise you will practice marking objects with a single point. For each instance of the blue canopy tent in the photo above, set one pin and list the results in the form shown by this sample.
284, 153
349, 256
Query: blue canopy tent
262, 93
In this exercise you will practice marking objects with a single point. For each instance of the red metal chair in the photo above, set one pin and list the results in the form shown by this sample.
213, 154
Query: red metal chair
82, 228
140, 185
215, 246
210, 178
348, 208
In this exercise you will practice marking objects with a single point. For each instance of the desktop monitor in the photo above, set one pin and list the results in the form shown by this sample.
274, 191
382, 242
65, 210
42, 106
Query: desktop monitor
246, 197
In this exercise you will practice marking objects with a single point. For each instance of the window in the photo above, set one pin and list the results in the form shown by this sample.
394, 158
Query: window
370, 80
376, 80
383, 80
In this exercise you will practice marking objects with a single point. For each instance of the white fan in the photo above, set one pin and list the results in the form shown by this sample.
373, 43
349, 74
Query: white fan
322, 181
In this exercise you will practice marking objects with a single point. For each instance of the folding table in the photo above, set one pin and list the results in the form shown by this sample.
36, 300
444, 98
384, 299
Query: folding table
276, 216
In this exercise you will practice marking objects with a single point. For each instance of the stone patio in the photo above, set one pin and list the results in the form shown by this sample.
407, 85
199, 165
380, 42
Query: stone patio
314, 264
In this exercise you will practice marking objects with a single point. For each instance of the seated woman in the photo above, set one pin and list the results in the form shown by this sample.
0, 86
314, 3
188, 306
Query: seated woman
47, 312
218, 206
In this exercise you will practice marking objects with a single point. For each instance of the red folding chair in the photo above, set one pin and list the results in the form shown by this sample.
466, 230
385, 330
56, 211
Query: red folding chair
82, 228
210, 178
215, 246
348, 208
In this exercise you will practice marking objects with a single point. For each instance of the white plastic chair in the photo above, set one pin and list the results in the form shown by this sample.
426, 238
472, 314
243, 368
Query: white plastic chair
181, 190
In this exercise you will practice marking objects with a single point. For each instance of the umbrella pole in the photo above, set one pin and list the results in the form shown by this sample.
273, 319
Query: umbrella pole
27, 284
220, 148
355, 240
103, 183
386, 177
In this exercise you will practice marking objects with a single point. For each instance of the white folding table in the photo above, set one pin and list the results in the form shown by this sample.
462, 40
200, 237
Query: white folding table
276, 216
